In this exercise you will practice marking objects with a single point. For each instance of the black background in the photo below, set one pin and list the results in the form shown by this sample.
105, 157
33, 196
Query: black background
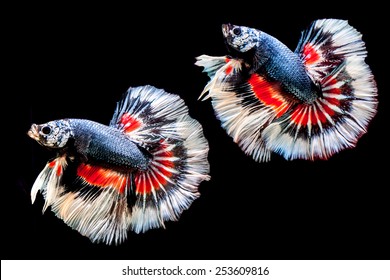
77, 61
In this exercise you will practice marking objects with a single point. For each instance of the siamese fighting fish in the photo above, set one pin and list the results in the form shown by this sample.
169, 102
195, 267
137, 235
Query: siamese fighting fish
306, 104
136, 173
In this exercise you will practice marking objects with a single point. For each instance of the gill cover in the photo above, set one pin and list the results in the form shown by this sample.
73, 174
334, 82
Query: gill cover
53, 134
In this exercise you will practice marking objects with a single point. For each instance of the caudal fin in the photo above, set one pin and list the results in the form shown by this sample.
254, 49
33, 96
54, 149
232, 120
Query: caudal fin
333, 122
160, 123
334, 55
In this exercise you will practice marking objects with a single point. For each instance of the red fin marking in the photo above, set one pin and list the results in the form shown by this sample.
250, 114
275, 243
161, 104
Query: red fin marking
333, 101
165, 154
296, 112
142, 185
331, 81
157, 174
328, 110
313, 117
310, 54
101, 177
129, 122
155, 178
59, 170
304, 118
302, 112
145, 182
299, 115
269, 93
321, 116
334, 91
228, 70
53, 164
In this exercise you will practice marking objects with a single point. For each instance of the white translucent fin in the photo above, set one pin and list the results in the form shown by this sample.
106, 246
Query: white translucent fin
216, 67
48, 181
102, 217
241, 120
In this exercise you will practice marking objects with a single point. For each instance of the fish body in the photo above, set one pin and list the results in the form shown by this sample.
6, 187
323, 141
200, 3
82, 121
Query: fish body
305, 104
272, 59
95, 142
139, 171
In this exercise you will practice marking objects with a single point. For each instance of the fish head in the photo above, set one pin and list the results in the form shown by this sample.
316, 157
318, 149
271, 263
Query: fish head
240, 38
53, 134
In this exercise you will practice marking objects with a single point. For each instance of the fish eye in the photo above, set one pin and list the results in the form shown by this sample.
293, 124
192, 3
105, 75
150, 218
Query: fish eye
46, 130
236, 31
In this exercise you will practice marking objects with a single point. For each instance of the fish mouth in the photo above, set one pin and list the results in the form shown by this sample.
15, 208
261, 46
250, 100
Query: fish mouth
226, 28
33, 132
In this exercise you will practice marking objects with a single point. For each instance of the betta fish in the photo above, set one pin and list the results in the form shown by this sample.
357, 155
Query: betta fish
140, 171
307, 104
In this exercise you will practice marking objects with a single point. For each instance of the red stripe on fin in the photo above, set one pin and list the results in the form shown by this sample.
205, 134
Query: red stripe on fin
329, 84
310, 54
102, 177
158, 174
59, 170
269, 93
129, 122
228, 69
52, 163
316, 112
